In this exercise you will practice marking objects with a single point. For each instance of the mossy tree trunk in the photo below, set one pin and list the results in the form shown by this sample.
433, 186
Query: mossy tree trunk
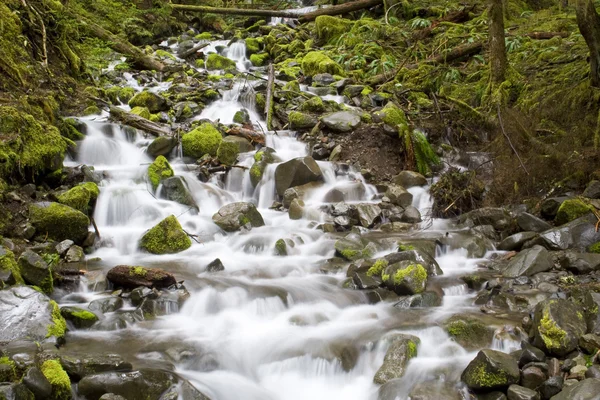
497, 47
589, 26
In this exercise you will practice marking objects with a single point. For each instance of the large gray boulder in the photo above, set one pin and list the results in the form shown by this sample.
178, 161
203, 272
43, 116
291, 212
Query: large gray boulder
399, 196
176, 189
400, 352
491, 370
144, 384
35, 271
592, 191
580, 263
17, 306
79, 366
557, 326
499, 218
296, 172
588, 389
529, 262
234, 216
368, 214
577, 234
341, 121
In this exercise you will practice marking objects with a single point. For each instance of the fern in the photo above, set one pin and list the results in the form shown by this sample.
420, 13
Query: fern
424, 155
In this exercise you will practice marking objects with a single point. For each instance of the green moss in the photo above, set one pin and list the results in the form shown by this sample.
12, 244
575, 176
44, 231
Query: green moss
91, 110
155, 117
261, 102
252, 46
166, 238
228, 152
217, 62
412, 349
203, 140
256, 172
317, 62
405, 247
416, 272
314, 104
59, 325
126, 94
9, 264
141, 111
164, 55
157, 171
552, 336
350, 254
240, 117
59, 222
210, 94
392, 115
77, 198
9, 374
378, 268
258, 60
572, 209
594, 248
140, 271
200, 63
204, 36
300, 120
486, 379
92, 188
85, 315
153, 102
58, 378
293, 86
330, 28
281, 248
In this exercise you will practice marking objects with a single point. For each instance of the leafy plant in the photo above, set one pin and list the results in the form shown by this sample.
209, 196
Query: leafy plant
420, 23
51, 259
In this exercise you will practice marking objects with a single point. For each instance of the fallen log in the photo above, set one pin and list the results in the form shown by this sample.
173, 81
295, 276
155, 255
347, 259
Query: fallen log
192, 51
250, 135
456, 53
456, 17
546, 35
269, 100
135, 121
340, 9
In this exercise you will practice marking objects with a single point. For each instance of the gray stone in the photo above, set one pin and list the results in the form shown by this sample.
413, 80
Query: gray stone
341, 121
144, 384
592, 191
35, 271
323, 79
408, 179
515, 242
532, 377
234, 216
215, 266
411, 215
368, 214
421, 300
354, 248
588, 389
296, 210
501, 366
37, 383
499, 218
109, 304
242, 143
364, 281
296, 172
593, 372
176, 189
590, 343
551, 387
578, 234
298, 192
80, 366
529, 262
405, 278
516, 392
557, 326
63, 246
15, 391
161, 146
75, 254
435, 391
529, 222
399, 196
580, 263
402, 349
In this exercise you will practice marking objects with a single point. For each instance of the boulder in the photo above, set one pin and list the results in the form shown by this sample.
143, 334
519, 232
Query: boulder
215, 266
128, 277
551, 387
557, 326
205, 139
491, 370
411, 215
418, 255
405, 278
63, 247
354, 248
58, 221
578, 234
516, 392
15, 391
399, 196
421, 300
161, 146
368, 214
499, 218
342, 121
37, 383
549, 207
528, 222
572, 209
158, 171
592, 191
469, 331
296, 172
590, 343
75, 254
152, 101
588, 389
300, 120
296, 210
167, 237
298, 192
10, 273
176, 189
515, 242
143, 384
408, 179
532, 377
402, 349
80, 318
35, 271
79, 366
580, 263
234, 216
529, 262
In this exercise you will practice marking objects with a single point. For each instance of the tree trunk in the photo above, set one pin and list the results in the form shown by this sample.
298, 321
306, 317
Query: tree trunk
589, 26
497, 46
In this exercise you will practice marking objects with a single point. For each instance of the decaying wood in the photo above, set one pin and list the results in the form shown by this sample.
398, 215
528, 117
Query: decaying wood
250, 135
340, 9
193, 50
269, 101
456, 17
546, 35
456, 53
224, 168
135, 121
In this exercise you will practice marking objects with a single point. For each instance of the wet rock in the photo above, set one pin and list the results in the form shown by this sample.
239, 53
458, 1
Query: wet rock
402, 349
296, 210
590, 343
421, 300
364, 281
399, 196
411, 215
499, 218
588, 389
492, 396
342, 121
549, 207
408, 179
405, 278
529, 262
491, 370
37, 383
75, 254
236, 216
530, 354
298, 192
368, 214
350, 191
167, 237
469, 331
58, 221
323, 79
109, 304
592, 191
475, 245
528, 222
15, 391
296, 172
551, 387
532, 377
80, 366
215, 266
161, 146
577, 234
557, 326
152, 101
580, 263
79, 317
111, 396
420, 256
516, 392
176, 189
144, 384
63, 247
515, 242
300, 121
130, 277
18, 304
354, 248
435, 391
593, 372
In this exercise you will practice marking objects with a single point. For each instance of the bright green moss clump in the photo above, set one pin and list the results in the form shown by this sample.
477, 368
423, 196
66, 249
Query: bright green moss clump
486, 379
139, 271
58, 378
157, 171
553, 336
571, 209
378, 268
9, 267
59, 221
317, 62
300, 120
392, 115
141, 111
330, 28
79, 197
152, 101
228, 152
8, 370
216, 61
85, 315
203, 140
59, 325
166, 238
258, 60
126, 94
314, 104
252, 46
417, 271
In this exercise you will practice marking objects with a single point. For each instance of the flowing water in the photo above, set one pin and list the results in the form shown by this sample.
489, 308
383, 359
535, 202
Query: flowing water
267, 327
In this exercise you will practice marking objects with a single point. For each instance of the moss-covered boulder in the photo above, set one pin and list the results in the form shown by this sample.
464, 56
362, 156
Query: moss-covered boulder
262, 158
314, 104
353, 248
236, 216
217, 62
205, 139
161, 146
258, 60
80, 197
299, 120
58, 378
317, 62
470, 332
405, 277
131, 277
491, 370
141, 111
159, 170
572, 209
166, 238
80, 318
8, 370
152, 101
557, 326
402, 349
227, 152
253, 46
9, 270
392, 116
329, 28
35, 271
58, 222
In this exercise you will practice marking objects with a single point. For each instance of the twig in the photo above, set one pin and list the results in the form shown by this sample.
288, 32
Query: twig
509, 142
95, 227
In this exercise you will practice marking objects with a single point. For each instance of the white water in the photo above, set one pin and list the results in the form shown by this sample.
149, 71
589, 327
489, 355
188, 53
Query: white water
272, 327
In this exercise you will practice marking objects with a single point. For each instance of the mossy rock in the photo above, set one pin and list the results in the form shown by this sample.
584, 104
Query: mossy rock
491, 370
131, 277
159, 170
8, 370
9, 270
402, 349
91, 110
470, 332
125, 94
258, 60
58, 221
572, 209
152, 101
235, 216
217, 62
299, 120
405, 278
79, 197
36, 272
141, 111
252, 46
161, 146
58, 378
228, 152
205, 139
392, 116
314, 104
329, 28
317, 62
80, 318
354, 248
167, 237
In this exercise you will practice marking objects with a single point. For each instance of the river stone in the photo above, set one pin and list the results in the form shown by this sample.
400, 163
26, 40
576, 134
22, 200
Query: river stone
75, 254
368, 214
399, 196
499, 218
80, 366
364, 281
35, 271
323, 79
349, 191
579, 234
491, 370
408, 179
106, 305
515, 242
590, 343
516, 392
243, 145
550, 206
63, 247
353, 248
167, 237
58, 221
592, 191
298, 192
551, 387
129, 277
588, 389
299, 120
215, 266
529, 262
296, 172
296, 210
79, 317
15, 391
530, 354
532, 377
557, 326
418, 255
111, 396
469, 331
234, 216
161, 146
435, 391
405, 278
37, 383
144, 384
17, 306
580, 263
528, 222
411, 215
176, 189
421, 300
402, 349
341, 121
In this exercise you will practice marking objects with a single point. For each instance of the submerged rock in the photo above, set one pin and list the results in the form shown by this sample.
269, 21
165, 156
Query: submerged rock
176, 189
400, 352
166, 238
557, 326
296, 172
129, 277
235, 216
491, 370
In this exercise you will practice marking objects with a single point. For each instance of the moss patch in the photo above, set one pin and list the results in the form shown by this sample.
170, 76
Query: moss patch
159, 170
9, 264
258, 60
8, 370
203, 140
329, 28
553, 336
228, 152
317, 62
378, 268
59, 325
572, 209
166, 238
58, 378
217, 62
59, 221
